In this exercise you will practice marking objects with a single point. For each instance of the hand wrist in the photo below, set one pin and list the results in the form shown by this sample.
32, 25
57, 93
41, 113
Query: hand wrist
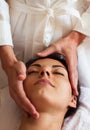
7, 57
77, 37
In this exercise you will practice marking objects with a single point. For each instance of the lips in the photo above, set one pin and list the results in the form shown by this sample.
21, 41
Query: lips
43, 82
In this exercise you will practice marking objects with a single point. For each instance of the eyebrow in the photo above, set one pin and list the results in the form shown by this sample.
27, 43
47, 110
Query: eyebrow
38, 65
53, 66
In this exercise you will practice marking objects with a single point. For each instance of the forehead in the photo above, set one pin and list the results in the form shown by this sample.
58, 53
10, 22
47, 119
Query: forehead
47, 62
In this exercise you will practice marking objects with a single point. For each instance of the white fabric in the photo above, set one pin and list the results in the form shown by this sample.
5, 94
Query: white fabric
5, 30
35, 24
83, 26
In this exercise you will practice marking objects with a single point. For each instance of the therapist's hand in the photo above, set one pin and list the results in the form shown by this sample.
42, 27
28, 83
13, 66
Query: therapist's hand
68, 47
16, 73
16, 76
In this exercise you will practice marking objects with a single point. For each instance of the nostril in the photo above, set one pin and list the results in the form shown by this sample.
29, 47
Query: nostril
44, 72
47, 73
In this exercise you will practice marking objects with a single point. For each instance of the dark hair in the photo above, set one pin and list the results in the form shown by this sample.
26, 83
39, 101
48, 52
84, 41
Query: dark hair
55, 56
60, 58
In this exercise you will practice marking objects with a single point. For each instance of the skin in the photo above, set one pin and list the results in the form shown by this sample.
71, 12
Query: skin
47, 86
16, 70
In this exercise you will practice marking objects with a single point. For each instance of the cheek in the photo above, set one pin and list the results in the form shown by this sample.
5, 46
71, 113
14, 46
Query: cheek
63, 84
64, 91
29, 81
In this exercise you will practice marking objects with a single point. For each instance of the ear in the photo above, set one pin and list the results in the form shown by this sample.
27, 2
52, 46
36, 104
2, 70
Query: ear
73, 102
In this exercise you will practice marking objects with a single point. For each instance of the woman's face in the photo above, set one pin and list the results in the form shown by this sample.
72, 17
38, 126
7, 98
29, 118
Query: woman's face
47, 84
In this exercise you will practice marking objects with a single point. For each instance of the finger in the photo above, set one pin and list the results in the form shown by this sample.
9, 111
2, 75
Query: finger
73, 73
20, 70
23, 102
47, 51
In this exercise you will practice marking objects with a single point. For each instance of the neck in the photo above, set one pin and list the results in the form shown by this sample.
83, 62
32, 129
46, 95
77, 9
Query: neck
45, 122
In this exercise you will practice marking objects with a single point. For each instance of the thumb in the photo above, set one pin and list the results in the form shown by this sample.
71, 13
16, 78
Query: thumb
47, 51
20, 69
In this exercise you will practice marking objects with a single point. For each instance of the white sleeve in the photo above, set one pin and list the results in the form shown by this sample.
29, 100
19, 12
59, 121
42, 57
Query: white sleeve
5, 29
83, 25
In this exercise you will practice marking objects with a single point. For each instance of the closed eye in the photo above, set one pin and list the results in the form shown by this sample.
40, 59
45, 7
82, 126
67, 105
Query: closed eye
31, 72
58, 73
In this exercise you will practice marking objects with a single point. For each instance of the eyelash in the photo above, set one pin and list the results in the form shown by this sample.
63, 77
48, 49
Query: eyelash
58, 73
31, 72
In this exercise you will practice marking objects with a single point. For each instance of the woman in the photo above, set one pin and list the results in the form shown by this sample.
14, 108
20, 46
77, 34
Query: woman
48, 87
34, 25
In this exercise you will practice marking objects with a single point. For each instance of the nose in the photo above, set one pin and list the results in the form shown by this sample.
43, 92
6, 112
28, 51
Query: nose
44, 72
